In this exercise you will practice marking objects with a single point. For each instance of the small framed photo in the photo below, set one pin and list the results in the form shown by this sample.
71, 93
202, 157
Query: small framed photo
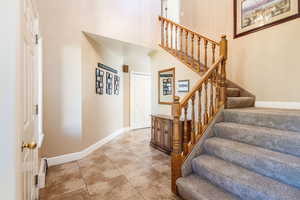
109, 83
99, 81
183, 86
116, 85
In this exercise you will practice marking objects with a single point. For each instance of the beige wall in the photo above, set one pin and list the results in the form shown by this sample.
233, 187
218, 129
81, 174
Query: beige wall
160, 60
266, 63
133, 21
62, 76
101, 114
67, 119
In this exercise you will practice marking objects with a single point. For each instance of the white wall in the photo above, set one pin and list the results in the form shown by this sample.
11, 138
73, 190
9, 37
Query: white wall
10, 101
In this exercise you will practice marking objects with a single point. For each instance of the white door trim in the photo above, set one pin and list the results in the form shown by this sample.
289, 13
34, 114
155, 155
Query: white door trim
132, 103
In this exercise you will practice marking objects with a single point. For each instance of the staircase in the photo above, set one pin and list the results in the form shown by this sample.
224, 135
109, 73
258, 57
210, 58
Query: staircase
240, 152
253, 154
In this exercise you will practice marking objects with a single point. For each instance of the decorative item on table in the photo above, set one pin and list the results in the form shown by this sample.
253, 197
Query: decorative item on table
254, 15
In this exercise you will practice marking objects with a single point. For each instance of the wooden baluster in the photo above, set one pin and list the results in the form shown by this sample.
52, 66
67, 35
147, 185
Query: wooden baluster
193, 132
192, 49
162, 33
213, 53
199, 40
211, 104
176, 40
200, 111
217, 88
172, 37
205, 53
186, 133
176, 157
205, 104
186, 46
167, 34
223, 52
181, 45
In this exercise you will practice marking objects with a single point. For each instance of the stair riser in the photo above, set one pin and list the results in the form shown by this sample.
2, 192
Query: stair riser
240, 103
244, 191
233, 93
277, 121
288, 173
263, 138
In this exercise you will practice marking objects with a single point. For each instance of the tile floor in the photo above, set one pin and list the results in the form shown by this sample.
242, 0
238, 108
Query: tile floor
125, 169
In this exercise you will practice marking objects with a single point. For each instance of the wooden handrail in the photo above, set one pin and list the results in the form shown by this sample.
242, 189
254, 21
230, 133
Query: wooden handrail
199, 83
208, 95
187, 29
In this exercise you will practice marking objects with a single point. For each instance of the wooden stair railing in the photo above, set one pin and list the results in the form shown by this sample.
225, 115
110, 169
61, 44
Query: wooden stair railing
194, 50
208, 95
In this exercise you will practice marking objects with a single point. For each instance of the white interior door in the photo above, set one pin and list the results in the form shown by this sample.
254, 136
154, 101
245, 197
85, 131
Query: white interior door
141, 100
29, 88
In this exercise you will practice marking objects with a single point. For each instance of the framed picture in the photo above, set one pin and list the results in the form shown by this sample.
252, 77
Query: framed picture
167, 86
109, 83
99, 81
183, 86
116, 85
254, 15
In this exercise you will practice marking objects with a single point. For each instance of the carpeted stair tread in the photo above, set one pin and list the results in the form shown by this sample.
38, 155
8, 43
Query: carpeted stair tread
270, 118
233, 92
280, 166
269, 138
240, 102
194, 187
242, 182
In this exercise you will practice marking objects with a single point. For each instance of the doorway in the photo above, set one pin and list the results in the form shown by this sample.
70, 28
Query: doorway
140, 100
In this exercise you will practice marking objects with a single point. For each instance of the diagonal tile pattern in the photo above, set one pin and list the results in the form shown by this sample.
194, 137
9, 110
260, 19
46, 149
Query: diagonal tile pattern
127, 168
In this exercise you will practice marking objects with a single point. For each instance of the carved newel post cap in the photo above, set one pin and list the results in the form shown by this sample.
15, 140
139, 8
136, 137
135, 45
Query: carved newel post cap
176, 99
223, 36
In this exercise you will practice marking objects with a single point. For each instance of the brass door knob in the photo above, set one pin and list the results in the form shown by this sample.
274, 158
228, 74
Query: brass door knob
30, 146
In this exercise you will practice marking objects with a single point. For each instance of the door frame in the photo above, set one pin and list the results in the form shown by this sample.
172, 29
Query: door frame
132, 75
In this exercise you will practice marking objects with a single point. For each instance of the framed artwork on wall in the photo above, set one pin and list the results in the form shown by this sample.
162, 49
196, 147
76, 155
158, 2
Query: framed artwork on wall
254, 15
116, 85
109, 83
99, 81
183, 86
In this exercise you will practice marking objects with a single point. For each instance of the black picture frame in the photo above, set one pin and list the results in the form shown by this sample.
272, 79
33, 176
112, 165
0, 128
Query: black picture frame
99, 81
116, 85
109, 83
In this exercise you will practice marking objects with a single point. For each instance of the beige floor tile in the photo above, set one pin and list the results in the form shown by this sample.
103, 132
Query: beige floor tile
127, 168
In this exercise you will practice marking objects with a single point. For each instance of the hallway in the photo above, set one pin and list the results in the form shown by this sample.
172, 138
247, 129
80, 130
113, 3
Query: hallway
124, 169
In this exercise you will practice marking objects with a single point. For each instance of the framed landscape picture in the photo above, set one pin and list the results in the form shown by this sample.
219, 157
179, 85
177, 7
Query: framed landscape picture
254, 15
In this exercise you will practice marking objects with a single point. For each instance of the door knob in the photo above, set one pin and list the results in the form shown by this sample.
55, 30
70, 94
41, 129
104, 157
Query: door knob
30, 146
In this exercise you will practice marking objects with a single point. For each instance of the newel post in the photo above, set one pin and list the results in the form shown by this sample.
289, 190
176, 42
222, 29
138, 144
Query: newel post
224, 53
176, 158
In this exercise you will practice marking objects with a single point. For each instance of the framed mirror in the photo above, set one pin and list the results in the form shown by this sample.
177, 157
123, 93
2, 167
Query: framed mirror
166, 86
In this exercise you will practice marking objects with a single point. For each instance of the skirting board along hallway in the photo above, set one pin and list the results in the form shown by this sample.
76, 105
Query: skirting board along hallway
79, 155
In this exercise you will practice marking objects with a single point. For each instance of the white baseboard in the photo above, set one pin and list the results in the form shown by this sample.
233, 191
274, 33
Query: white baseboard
278, 104
79, 155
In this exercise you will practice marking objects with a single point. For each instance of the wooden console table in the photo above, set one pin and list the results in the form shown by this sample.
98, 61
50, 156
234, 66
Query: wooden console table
162, 132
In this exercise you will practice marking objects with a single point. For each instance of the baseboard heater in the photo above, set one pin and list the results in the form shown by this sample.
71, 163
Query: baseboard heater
43, 173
